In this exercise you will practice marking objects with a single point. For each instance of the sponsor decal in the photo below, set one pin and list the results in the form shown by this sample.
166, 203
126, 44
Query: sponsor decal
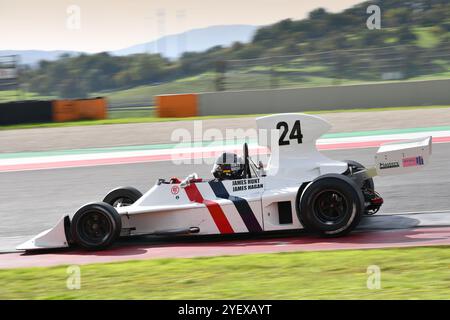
413, 162
247, 184
389, 165
175, 190
241, 205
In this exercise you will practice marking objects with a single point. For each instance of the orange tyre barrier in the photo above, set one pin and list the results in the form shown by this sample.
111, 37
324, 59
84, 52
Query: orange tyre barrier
83, 109
64, 110
91, 109
177, 105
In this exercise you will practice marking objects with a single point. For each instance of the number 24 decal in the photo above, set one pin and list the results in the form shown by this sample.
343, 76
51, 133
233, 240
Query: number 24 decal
296, 133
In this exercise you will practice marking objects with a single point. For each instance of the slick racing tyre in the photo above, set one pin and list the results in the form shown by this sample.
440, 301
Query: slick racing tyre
95, 226
355, 167
123, 196
332, 206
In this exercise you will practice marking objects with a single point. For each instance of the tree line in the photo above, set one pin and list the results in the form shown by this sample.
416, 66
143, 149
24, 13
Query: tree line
77, 76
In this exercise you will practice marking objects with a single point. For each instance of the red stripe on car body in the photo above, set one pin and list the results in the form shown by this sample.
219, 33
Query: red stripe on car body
214, 209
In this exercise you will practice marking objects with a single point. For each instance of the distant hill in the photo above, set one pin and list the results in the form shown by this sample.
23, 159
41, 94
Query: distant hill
32, 57
171, 46
195, 40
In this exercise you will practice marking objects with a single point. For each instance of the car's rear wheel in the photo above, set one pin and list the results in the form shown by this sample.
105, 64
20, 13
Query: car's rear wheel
123, 196
95, 226
332, 205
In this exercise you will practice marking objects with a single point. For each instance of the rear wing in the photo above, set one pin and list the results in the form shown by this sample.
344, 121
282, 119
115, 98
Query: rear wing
402, 157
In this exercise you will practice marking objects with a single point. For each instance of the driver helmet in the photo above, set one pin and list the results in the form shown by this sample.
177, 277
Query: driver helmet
228, 166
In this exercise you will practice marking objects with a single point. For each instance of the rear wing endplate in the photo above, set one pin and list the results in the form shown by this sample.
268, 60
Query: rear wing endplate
402, 157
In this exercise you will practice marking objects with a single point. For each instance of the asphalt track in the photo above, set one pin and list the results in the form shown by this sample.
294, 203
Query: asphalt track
32, 201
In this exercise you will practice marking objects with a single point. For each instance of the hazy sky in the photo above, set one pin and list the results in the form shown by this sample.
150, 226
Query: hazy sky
114, 24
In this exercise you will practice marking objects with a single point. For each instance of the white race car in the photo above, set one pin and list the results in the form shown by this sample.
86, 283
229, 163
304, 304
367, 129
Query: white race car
298, 189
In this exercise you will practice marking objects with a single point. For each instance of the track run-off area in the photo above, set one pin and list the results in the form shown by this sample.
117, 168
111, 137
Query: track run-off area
38, 187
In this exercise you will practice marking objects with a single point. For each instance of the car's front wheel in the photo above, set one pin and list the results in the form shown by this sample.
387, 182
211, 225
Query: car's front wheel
332, 205
122, 197
95, 226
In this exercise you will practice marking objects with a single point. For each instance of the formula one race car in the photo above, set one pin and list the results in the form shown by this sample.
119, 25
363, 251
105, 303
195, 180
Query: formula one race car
298, 189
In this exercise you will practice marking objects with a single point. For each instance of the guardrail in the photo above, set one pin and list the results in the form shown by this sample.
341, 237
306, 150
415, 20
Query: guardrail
128, 107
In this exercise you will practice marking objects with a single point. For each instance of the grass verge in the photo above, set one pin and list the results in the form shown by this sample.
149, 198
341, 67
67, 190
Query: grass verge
413, 273
126, 117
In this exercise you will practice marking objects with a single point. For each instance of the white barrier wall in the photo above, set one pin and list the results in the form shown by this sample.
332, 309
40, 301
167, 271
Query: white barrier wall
385, 94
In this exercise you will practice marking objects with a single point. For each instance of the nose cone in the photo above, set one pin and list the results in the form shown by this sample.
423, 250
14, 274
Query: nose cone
49, 239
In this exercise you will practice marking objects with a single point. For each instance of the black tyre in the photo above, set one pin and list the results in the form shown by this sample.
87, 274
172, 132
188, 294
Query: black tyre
95, 226
332, 205
123, 196
355, 167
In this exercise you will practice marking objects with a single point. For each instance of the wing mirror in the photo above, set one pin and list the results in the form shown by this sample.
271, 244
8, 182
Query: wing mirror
186, 182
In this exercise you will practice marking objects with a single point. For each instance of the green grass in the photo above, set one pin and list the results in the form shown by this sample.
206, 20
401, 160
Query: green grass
200, 83
112, 120
124, 117
413, 273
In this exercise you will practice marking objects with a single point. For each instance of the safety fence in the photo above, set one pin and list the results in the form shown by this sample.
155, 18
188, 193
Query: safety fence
336, 67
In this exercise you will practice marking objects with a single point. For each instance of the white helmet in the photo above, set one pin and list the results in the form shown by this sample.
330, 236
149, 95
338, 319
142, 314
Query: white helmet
228, 166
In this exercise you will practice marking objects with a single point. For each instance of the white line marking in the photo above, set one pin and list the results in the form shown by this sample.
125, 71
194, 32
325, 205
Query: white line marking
413, 212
